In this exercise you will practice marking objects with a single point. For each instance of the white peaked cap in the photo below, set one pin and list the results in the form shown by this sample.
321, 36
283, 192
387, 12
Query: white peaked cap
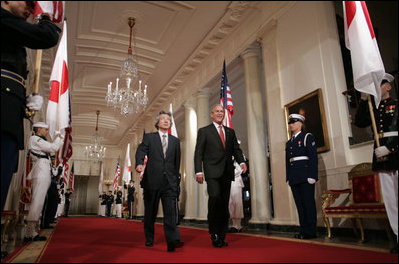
40, 124
388, 77
297, 116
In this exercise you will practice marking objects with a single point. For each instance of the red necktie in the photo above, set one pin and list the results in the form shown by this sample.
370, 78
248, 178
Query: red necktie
221, 135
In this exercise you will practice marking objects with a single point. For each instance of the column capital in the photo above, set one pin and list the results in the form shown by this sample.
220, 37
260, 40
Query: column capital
252, 51
190, 102
204, 92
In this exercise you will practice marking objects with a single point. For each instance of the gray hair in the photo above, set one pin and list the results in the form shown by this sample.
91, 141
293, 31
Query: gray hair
213, 107
162, 112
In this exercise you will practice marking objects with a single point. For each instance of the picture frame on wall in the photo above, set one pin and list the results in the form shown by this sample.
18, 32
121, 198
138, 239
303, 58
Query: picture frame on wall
311, 106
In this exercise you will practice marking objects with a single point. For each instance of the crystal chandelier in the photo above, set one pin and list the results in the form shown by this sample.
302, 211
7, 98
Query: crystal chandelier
129, 94
96, 151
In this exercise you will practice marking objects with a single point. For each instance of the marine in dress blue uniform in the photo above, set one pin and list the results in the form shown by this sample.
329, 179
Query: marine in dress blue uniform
385, 157
301, 175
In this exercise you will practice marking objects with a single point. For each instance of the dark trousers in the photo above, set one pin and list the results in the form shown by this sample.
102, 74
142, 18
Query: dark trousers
218, 205
9, 164
67, 208
130, 207
109, 209
168, 197
306, 205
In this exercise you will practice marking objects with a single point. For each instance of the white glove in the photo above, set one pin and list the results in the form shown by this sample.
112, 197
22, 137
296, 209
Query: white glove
53, 9
311, 180
363, 96
381, 151
34, 102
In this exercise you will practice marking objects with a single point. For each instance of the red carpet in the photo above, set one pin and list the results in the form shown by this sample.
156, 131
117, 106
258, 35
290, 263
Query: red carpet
105, 240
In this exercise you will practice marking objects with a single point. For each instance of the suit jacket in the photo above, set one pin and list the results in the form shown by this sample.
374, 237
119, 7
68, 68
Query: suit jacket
299, 171
157, 165
211, 157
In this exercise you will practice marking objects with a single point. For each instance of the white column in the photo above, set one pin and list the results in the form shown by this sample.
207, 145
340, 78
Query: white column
190, 137
203, 120
260, 201
138, 196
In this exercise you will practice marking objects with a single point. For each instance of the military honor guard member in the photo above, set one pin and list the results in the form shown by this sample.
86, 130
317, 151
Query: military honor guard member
385, 157
40, 176
301, 175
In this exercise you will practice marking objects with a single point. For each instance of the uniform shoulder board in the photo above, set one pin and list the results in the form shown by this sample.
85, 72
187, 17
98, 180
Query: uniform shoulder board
39, 138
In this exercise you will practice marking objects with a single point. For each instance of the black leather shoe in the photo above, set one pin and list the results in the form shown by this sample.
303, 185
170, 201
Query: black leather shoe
394, 250
299, 236
216, 242
27, 239
179, 243
222, 241
148, 244
171, 246
307, 236
39, 238
233, 230
4, 254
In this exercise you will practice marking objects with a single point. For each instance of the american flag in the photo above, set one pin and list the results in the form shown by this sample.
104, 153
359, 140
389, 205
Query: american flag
225, 96
65, 178
117, 174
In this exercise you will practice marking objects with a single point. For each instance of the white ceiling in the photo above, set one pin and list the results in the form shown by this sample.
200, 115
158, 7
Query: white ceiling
165, 37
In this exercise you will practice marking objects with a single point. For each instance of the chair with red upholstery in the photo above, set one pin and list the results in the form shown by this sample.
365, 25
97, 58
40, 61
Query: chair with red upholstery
365, 200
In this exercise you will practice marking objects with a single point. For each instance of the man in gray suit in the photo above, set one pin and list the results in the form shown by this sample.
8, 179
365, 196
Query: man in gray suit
215, 148
160, 180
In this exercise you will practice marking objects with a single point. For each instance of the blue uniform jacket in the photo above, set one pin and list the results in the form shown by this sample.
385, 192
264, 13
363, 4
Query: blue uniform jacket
299, 171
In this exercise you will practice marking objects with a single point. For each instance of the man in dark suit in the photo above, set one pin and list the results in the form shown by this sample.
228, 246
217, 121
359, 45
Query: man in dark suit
216, 145
130, 198
67, 201
160, 180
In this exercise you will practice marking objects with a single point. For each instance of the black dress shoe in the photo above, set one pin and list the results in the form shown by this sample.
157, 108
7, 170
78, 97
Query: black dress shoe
39, 238
171, 246
28, 239
222, 241
307, 236
4, 254
216, 242
148, 244
233, 230
179, 243
394, 250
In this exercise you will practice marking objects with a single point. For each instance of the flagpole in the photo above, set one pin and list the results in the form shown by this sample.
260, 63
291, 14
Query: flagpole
35, 89
373, 123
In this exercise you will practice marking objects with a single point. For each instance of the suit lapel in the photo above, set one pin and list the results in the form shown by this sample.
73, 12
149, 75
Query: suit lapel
158, 143
227, 134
